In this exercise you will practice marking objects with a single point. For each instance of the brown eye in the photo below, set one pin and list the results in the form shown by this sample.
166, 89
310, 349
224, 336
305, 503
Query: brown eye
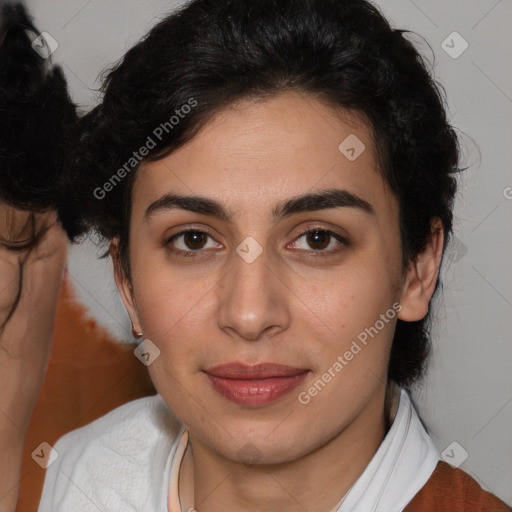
195, 239
322, 241
318, 239
187, 243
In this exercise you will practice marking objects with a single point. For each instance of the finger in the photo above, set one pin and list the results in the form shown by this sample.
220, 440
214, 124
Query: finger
21, 229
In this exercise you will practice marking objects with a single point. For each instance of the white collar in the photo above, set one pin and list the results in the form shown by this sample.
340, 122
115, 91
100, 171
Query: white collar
403, 463
401, 466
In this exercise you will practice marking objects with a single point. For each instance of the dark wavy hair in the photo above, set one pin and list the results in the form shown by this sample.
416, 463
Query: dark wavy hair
37, 118
217, 52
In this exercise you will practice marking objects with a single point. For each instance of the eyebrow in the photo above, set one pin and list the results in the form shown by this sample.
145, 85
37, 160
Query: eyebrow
333, 198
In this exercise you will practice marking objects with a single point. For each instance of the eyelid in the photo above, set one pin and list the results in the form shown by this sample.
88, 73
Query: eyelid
192, 228
187, 228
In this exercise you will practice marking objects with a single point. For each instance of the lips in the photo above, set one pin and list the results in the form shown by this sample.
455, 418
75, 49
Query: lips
254, 385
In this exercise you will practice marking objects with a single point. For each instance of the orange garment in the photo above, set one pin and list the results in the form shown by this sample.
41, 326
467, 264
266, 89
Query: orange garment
452, 490
89, 374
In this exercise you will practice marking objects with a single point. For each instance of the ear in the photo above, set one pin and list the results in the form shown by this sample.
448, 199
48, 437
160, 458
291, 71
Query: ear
421, 277
124, 285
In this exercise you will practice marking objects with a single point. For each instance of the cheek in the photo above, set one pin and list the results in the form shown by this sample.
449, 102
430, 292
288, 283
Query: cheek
349, 298
349, 314
350, 349
169, 297
176, 309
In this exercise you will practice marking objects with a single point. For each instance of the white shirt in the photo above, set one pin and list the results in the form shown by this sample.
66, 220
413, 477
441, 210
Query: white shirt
122, 462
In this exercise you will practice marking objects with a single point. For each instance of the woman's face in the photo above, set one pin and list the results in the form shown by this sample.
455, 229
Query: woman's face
228, 277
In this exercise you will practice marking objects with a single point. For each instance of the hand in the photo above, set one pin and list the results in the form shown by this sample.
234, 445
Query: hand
33, 253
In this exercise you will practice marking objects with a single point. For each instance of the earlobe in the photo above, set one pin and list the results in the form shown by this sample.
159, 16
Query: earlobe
421, 277
124, 286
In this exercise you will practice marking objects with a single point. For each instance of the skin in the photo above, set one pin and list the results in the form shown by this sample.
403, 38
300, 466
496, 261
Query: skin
30, 280
290, 305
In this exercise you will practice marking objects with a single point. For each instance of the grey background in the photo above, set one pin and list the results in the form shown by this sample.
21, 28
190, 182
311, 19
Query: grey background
467, 396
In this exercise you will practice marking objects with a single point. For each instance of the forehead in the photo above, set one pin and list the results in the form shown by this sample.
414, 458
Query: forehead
258, 152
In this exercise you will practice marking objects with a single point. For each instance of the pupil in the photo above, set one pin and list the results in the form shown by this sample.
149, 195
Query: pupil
316, 238
193, 239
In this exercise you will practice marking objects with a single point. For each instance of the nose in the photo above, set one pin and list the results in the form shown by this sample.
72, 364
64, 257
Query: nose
253, 301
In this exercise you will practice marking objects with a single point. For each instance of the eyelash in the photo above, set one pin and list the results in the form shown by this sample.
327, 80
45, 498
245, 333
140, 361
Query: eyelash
313, 252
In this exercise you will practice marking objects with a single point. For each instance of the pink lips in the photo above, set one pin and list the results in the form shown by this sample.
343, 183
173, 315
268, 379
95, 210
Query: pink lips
254, 385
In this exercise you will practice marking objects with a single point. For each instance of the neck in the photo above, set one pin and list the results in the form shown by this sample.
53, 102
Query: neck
317, 481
